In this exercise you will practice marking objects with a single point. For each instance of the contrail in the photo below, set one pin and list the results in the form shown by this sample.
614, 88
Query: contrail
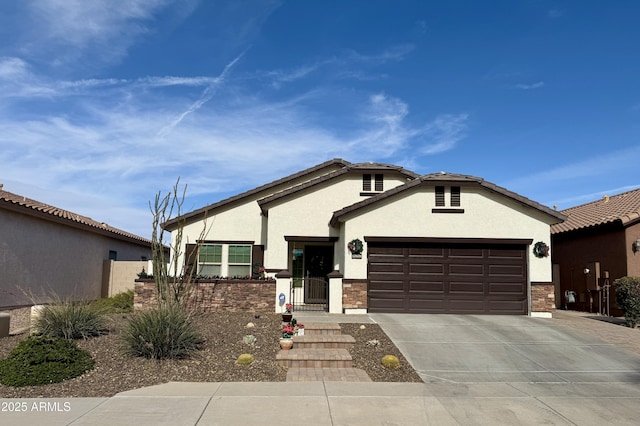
206, 96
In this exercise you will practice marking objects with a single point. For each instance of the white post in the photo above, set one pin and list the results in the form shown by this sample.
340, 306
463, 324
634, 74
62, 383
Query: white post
283, 287
335, 292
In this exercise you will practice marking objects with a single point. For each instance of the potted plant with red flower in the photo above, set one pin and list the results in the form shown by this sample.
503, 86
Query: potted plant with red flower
287, 315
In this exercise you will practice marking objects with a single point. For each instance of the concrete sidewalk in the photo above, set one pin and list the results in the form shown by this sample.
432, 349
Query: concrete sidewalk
337, 403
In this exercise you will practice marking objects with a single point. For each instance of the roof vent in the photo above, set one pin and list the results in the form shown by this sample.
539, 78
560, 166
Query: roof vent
605, 198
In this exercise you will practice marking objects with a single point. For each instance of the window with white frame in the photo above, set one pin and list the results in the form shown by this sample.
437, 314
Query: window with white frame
210, 260
239, 261
224, 260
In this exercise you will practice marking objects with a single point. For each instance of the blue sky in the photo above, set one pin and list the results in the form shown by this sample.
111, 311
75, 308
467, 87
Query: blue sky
105, 103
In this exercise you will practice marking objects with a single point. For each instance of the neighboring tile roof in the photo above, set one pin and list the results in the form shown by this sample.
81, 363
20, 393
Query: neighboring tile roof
452, 178
624, 208
21, 204
173, 223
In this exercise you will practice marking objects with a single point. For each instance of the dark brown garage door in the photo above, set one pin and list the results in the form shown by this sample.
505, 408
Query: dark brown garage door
447, 278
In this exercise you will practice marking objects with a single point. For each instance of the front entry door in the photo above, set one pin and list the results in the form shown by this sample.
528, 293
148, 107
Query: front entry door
318, 264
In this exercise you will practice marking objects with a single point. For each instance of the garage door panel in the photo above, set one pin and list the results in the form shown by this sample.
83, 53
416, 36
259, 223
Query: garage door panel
430, 306
508, 307
471, 287
448, 277
465, 252
431, 268
390, 285
466, 269
466, 306
505, 253
426, 287
386, 267
506, 288
425, 252
510, 270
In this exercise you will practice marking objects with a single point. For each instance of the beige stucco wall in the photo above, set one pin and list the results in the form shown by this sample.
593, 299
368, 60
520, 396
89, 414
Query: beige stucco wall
119, 276
486, 215
41, 257
305, 214
309, 213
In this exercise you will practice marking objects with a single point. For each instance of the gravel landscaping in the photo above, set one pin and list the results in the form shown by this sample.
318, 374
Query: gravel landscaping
223, 332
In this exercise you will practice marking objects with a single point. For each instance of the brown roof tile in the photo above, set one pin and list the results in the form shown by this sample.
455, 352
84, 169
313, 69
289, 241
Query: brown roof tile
624, 208
26, 205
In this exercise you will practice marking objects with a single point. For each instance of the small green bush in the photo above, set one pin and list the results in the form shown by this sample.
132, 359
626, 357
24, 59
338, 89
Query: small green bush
244, 359
71, 320
628, 298
120, 303
163, 332
40, 360
390, 361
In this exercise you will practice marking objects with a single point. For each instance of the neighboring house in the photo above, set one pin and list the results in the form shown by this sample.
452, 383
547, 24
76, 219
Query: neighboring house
598, 239
45, 250
439, 243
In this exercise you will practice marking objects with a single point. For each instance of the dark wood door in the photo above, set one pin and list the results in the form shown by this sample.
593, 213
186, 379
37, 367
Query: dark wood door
318, 264
447, 278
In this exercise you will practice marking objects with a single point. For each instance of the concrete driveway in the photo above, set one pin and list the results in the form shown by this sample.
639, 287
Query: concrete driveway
484, 348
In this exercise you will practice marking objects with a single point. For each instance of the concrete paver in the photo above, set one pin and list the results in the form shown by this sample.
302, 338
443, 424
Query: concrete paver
498, 370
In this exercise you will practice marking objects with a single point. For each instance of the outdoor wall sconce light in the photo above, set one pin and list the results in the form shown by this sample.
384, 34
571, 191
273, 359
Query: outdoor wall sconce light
586, 271
636, 245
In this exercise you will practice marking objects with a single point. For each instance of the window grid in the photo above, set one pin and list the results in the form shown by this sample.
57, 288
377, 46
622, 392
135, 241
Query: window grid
366, 182
455, 196
379, 183
439, 196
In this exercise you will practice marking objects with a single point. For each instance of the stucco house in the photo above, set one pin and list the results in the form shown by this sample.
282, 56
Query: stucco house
381, 238
597, 243
46, 250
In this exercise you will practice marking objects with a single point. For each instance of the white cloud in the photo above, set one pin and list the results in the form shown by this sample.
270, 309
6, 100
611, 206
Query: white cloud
62, 31
537, 85
444, 132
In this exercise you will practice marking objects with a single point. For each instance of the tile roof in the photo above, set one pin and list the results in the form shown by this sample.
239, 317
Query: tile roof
624, 208
202, 212
453, 178
360, 167
26, 205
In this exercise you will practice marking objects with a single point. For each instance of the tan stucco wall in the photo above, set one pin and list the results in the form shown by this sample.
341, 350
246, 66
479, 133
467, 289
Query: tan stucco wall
40, 257
486, 216
120, 276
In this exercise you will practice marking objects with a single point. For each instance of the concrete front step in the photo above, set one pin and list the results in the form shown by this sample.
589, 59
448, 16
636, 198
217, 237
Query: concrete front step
320, 328
315, 358
326, 341
295, 374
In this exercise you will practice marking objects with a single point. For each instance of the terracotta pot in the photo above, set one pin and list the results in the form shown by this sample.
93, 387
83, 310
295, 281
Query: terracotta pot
286, 344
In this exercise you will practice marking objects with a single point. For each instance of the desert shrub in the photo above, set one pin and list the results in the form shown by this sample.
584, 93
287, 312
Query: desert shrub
167, 331
244, 359
71, 320
39, 360
390, 361
628, 298
120, 303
